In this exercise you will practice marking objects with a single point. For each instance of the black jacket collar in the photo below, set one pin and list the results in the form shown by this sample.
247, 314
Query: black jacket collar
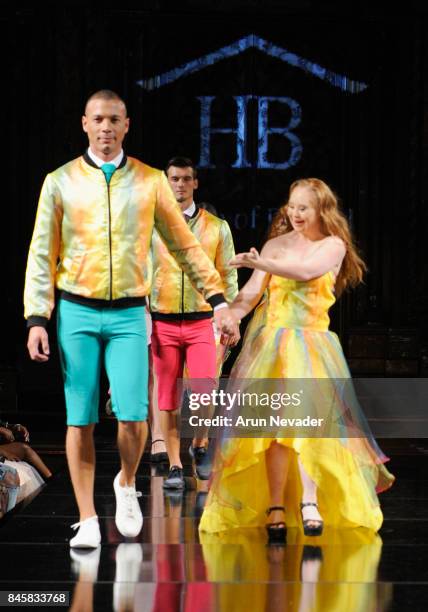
89, 161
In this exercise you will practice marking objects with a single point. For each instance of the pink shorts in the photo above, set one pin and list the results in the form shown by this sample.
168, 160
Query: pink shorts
175, 343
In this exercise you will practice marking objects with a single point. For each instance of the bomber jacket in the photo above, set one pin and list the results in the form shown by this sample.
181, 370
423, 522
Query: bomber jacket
92, 239
172, 295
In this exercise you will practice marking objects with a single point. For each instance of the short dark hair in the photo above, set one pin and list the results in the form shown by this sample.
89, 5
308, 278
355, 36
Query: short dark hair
105, 94
181, 162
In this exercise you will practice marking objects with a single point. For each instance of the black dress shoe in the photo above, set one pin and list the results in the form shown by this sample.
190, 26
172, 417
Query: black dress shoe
158, 457
202, 462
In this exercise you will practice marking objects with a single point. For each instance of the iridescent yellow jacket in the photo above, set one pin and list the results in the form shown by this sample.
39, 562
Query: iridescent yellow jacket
93, 240
172, 294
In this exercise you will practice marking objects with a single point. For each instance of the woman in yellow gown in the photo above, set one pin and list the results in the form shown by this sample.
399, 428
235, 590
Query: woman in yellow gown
280, 482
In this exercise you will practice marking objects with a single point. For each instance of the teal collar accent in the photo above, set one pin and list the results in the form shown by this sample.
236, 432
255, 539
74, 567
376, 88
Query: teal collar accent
108, 170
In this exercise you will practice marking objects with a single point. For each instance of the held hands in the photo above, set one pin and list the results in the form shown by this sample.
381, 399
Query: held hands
246, 260
231, 340
38, 344
226, 323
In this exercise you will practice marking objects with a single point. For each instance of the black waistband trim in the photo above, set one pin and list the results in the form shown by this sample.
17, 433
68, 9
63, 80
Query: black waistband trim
125, 302
181, 316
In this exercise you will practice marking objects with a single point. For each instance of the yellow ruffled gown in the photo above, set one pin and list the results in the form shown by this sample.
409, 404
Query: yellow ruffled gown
288, 338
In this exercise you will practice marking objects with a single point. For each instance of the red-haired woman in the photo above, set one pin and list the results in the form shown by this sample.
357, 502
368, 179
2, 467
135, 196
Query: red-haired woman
296, 481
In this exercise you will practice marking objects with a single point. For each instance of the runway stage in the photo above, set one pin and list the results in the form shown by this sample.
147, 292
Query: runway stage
168, 568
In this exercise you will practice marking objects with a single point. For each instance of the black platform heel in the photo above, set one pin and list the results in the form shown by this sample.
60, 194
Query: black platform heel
313, 530
277, 532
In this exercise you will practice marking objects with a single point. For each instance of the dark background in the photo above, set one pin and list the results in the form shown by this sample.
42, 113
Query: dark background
371, 147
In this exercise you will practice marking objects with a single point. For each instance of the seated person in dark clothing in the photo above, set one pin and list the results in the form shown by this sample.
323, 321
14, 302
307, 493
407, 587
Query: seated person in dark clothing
14, 447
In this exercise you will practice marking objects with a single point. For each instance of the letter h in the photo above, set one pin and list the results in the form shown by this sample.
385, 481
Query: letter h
240, 132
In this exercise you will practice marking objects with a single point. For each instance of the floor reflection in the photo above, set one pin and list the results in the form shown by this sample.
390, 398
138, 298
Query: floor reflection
170, 568
336, 574
84, 569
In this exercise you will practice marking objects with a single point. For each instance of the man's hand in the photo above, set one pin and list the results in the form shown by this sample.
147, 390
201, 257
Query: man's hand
6, 434
225, 322
232, 339
38, 343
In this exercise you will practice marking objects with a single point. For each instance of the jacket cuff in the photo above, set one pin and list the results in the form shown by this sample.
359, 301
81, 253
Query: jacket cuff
37, 322
215, 300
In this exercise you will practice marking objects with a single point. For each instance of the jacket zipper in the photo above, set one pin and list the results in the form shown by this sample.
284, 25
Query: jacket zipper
109, 242
182, 292
182, 289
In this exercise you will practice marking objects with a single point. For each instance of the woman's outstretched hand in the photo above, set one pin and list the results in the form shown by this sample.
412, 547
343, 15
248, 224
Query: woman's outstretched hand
251, 259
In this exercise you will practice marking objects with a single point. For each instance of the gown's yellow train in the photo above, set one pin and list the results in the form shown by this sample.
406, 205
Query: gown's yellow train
288, 338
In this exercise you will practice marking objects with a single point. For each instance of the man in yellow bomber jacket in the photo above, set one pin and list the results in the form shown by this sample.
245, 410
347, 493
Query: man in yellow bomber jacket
182, 329
91, 241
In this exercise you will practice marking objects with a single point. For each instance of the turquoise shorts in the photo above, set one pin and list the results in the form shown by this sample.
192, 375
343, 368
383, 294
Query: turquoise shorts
87, 336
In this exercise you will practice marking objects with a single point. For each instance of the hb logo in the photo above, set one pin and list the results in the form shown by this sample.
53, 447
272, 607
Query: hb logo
264, 130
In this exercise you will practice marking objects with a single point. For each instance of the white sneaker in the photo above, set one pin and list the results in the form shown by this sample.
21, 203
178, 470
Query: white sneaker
88, 536
129, 519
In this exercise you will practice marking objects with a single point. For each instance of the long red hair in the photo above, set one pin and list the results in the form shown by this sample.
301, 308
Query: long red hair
333, 223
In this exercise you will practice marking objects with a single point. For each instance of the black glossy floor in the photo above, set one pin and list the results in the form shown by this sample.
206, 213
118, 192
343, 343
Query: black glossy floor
167, 568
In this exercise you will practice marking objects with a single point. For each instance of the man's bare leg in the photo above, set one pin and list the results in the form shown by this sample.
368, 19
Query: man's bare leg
202, 458
200, 437
80, 450
131, 440
158, 444
171, 435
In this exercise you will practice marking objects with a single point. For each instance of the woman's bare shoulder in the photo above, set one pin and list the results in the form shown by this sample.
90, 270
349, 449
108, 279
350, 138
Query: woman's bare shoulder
278, 242
335, 241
